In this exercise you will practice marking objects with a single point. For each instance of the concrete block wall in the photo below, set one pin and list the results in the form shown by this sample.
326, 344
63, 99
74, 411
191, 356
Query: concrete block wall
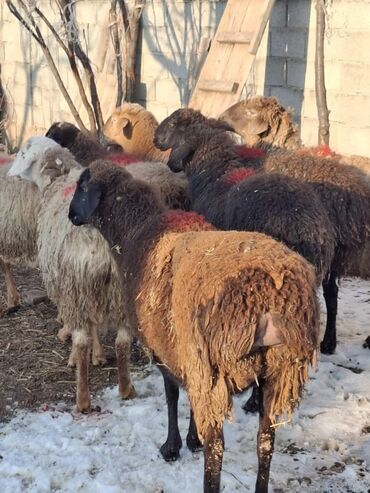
284, 68
174, 39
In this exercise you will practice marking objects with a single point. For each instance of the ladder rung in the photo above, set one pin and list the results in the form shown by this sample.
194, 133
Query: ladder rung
234, 37
218, 86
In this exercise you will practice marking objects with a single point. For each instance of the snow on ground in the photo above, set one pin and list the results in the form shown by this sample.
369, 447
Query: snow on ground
325, 449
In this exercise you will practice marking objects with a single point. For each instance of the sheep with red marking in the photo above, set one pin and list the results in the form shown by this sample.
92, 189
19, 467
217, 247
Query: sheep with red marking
76, 263
218, 309
173, 187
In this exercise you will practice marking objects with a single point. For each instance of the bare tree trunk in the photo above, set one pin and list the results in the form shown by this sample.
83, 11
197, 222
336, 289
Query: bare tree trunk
131, 25
321, 103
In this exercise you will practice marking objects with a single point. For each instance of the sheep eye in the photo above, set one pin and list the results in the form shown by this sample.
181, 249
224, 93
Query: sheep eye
84, 187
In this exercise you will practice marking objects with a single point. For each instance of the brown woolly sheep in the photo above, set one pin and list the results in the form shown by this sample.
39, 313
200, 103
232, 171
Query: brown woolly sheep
133, 127
218, 310
201, 147
264, 121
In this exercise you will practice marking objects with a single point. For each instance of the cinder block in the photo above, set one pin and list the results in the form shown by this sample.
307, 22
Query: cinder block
288, 43
159, 110
278, 16
168, 91
153, 65
276, 71
290, 98
299, 12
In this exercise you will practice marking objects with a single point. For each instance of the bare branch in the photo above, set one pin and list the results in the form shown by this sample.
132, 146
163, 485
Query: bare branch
113, 25
66, 7
37, 35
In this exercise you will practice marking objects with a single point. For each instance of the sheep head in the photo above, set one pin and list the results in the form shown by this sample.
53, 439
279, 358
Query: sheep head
263, 120
181, 131
63, 133
133, 127
41, 160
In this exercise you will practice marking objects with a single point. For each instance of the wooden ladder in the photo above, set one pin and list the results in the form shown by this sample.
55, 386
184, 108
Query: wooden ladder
231, 55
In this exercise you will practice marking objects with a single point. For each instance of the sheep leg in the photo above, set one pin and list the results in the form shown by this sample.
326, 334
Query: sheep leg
123, 352
13, 298
170, 450
252, 404
64, 333
330, 289
98, 353
81, 347
213, 454
265, 445
192, 438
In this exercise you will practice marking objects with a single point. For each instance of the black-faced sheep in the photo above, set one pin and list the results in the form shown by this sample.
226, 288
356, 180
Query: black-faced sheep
76, 264
133, 127
86, 149
218, 310
341, 193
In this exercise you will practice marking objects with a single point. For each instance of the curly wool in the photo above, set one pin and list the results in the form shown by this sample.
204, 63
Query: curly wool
199, 299
133, 127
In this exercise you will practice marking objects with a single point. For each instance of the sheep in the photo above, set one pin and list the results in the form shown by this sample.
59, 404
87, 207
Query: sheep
173, 187
263, 121
133, 127
76, 264
218, 309
84, 147
19, 203
341, 191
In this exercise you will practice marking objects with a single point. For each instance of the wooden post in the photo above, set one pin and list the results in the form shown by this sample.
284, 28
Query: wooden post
321, 103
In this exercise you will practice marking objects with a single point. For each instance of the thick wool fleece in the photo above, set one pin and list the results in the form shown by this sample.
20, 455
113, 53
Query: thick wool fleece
344, 192
19, 204
133, 127
200, 299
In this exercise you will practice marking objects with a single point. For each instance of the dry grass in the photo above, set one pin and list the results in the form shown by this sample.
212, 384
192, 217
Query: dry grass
33, 362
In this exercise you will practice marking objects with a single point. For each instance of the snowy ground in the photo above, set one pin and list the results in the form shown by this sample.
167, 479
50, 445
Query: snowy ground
325, 449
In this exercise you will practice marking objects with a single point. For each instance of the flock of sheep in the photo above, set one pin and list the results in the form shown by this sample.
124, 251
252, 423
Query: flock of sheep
212, 260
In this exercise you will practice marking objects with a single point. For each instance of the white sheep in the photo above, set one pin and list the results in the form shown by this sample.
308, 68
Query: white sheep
76, 264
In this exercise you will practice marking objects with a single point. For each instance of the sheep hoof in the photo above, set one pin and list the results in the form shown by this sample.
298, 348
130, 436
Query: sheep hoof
131, 394
328, 347
83, 407
63, 334
12, 309
171, 452
99, 359
251, 406
193, 443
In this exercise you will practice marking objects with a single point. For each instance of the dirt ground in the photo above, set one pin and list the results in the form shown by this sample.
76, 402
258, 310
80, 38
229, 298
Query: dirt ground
33, 362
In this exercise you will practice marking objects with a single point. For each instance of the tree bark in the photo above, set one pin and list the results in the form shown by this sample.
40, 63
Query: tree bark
321, 102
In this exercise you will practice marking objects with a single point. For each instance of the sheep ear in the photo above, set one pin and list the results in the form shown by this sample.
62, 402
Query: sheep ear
179, 157
126, 127
252, 123
86, 198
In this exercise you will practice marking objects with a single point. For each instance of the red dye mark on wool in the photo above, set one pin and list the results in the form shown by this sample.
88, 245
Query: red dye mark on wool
68, 190
4, 160
318, 151
238, 175
249, 152
182, 221
123, 159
